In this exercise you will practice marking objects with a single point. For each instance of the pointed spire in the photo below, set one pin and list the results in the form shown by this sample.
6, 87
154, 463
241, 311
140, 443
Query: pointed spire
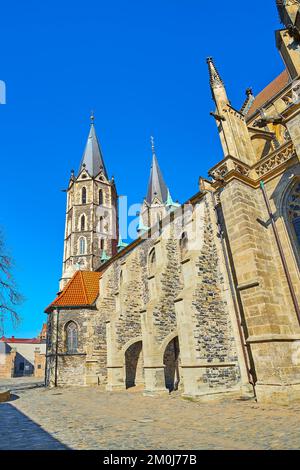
214, 76
141, 227
288, 10
121, 244
170, 203
216, 83
104, 256
248, 101
92, 159
157, 187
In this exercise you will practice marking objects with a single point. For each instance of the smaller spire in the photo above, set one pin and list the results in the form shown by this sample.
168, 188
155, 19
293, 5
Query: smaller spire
214, 76
170, 203
121, 244
141, 227
248, 101
157, 187
216, 84
104, 256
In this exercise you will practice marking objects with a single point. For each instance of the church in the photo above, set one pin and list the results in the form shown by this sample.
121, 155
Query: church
206, 300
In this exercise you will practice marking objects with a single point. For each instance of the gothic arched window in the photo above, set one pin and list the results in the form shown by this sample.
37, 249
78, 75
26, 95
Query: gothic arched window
100, 197
293, 208
82, 223
71, 337
83, 195
82, 246
152, 262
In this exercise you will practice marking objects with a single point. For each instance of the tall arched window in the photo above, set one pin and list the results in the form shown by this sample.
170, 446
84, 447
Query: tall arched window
152, 262
82, 246
294, 213
101, 244
71, 337
100, 197
83, 195
82, 223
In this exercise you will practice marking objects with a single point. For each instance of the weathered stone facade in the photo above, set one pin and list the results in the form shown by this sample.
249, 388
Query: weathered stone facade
206, 300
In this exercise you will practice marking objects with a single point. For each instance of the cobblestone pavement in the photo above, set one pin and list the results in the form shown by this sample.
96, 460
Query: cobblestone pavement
90, 418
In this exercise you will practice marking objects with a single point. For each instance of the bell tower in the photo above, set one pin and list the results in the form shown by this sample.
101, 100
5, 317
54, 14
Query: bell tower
91, 214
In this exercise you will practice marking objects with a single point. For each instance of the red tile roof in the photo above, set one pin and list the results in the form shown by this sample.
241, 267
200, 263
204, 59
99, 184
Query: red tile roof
269, 92
20, 340
81, 290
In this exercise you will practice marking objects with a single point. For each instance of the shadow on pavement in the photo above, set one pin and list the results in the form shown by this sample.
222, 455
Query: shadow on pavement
18, 432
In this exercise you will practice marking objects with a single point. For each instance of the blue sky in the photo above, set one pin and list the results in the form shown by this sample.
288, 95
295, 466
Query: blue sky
141, 66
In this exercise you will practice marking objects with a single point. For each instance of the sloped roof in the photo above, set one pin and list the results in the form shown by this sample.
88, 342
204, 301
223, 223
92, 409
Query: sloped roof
81, 291
269, 92
92, 157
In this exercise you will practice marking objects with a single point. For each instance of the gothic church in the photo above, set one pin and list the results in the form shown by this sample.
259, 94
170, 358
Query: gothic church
206, 300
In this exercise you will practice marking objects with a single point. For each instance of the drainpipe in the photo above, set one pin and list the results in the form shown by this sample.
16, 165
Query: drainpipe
56, 349
46, 355
281, 252
233, 295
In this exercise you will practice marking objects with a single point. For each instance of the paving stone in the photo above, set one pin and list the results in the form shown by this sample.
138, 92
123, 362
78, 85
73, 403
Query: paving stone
90, 418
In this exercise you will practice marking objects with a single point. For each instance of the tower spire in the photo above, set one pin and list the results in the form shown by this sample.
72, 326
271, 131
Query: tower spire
92, 159
157, 187
216, 84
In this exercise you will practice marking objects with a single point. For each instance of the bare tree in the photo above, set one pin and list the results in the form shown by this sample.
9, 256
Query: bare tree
10, 298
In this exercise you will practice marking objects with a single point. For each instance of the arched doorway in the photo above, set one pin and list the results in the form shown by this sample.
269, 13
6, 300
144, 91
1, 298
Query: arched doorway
134, 365
171, 363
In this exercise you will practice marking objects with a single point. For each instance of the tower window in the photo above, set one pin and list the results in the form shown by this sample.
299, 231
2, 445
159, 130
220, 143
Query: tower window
100, 197
82, 223
101, 244
82, 246
71, 337
83, 195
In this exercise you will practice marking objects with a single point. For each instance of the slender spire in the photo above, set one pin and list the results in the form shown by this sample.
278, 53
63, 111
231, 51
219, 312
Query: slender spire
288, 10
248, 101
141, 227
104, 256
121, 244
170, 203
216, 83
157, 187
92, 158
